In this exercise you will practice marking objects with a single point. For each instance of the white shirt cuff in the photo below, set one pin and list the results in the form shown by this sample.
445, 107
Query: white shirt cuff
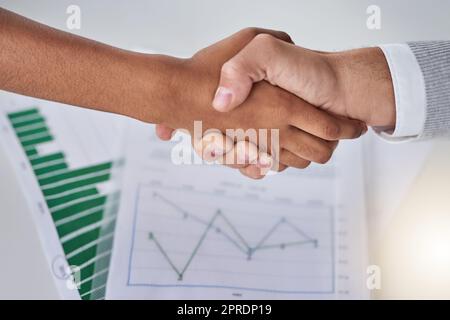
409, 92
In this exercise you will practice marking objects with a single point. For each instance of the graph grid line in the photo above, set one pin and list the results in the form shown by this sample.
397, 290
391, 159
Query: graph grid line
234, 237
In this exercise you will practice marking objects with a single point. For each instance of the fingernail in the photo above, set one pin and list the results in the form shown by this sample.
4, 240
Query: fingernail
222, 99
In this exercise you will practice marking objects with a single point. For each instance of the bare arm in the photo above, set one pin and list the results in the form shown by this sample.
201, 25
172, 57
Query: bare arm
43, 62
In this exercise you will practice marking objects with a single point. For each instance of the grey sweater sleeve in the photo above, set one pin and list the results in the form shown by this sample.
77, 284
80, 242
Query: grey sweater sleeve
434, 61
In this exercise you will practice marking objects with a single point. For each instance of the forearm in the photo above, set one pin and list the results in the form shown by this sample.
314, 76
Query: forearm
43, 62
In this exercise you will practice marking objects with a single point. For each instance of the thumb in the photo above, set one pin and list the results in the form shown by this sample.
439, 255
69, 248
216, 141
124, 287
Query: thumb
234, 86
240, 72
302, 72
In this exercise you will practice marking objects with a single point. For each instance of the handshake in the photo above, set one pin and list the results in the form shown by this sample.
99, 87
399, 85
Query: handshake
253, 101
266, 104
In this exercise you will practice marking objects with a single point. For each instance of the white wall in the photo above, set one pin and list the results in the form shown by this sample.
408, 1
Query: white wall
183, 26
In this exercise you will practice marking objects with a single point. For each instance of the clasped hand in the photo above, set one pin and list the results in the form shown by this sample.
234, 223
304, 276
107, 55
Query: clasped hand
259, 80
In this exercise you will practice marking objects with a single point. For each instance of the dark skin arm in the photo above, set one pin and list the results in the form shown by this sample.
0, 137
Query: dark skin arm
46, 63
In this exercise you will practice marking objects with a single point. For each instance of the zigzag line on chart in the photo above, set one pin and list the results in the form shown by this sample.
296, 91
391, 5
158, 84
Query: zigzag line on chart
235, 238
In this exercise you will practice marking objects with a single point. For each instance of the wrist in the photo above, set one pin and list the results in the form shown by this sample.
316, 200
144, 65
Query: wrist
152, 86
365, 86
190, 93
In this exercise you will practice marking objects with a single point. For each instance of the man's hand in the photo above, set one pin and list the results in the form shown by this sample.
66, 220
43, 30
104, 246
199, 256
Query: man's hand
306, 133
355, 83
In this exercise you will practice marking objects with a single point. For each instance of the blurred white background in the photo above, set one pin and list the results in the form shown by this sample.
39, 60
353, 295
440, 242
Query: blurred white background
181, 27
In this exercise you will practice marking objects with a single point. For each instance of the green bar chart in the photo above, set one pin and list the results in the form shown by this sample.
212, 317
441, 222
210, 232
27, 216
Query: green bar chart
84, 216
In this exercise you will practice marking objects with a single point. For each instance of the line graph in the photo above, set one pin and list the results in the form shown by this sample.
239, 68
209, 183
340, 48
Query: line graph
205, 232
240, 242
182, 238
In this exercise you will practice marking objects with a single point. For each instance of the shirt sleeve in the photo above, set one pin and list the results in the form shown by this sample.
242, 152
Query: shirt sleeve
409, 92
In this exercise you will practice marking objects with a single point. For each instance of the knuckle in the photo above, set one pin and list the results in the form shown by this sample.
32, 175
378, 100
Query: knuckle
333, 144
305, 150
300, 163
293, 160
250, 31
266, 41
304, 164
230, 68
249, 174
264, 37
324, 155
331, 131
359, 129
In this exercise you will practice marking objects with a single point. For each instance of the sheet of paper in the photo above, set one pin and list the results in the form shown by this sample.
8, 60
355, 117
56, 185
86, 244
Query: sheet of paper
65, 158
206, 232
